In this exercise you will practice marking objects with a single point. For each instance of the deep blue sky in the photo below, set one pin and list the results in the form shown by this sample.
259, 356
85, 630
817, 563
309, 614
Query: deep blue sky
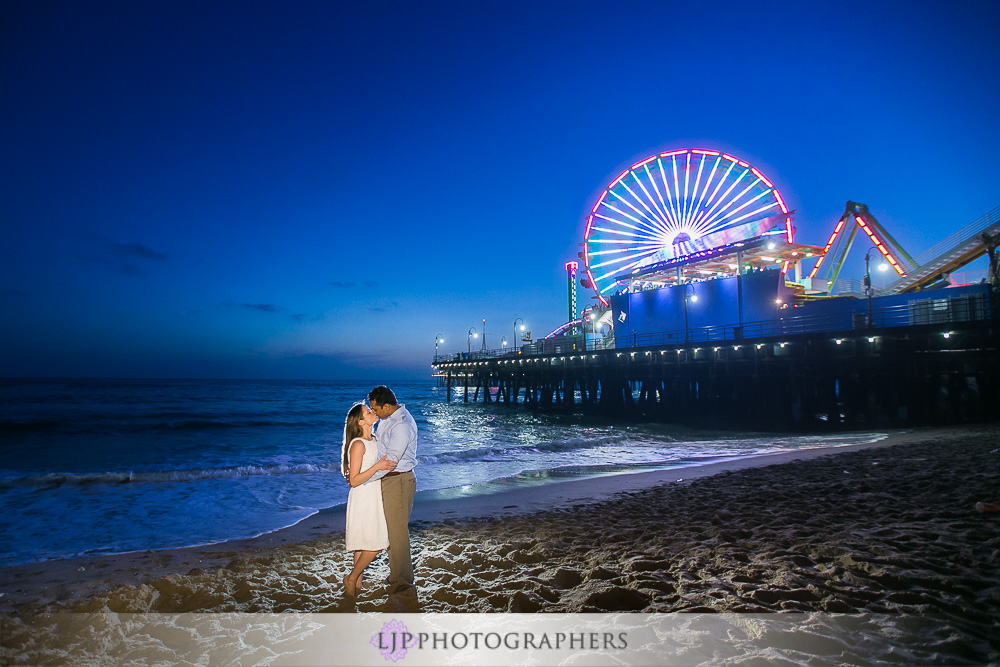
315, 190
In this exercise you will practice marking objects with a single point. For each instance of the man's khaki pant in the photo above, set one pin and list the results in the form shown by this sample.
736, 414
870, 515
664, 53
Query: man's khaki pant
397, 502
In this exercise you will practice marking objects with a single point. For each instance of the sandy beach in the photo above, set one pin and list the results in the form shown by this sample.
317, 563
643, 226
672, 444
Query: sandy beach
889, 528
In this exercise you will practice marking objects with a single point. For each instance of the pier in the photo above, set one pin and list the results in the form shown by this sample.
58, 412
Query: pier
914, 365
702, 314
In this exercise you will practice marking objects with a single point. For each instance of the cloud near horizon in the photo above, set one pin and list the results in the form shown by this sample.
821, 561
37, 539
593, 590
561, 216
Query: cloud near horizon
351, 283
121, 256
134, 251
263, 307
383, 306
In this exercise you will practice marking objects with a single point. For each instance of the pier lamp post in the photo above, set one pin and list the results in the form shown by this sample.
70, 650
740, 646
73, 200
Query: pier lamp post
437, 339
472, 334
516, 320
593, 331
503, 343
869, 290
694, 299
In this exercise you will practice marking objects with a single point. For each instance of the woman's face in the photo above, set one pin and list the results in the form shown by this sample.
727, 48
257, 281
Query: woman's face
368, 416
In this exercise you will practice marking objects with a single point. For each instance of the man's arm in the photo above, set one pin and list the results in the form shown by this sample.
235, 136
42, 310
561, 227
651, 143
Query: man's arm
395, 443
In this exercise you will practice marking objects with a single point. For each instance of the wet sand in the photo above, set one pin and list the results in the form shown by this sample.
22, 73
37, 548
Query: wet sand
888, 529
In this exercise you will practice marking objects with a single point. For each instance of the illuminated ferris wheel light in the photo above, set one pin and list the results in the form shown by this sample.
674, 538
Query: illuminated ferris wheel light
675, 204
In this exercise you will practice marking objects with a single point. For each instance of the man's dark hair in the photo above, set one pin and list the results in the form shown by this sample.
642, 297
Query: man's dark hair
382, 395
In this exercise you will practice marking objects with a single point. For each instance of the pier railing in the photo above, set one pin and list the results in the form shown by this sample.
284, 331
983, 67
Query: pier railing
970, 308
947, 310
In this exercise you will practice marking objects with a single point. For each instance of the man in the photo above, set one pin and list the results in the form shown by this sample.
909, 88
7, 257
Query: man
396, 438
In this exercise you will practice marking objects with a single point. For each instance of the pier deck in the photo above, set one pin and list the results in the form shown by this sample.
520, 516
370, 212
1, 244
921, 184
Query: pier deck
776, 374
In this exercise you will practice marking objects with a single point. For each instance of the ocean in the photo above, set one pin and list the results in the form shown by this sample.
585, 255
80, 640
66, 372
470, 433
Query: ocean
108, 466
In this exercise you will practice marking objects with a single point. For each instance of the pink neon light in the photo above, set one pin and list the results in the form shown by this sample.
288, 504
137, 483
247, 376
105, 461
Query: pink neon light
742, 163
840, 225
620, 177
881, 248
761, 177
816, 268
673, 153
788, 228
781, 202
603, 195
701, 152
730, 158
646, 161
784, 269
590, 221
572, 266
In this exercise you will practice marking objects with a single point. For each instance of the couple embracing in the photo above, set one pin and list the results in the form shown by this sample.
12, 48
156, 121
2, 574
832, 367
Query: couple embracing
379, 468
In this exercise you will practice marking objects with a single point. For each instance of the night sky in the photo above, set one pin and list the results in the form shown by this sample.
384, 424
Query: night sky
316, 190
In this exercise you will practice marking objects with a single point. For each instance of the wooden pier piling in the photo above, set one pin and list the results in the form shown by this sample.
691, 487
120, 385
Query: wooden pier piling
876, 378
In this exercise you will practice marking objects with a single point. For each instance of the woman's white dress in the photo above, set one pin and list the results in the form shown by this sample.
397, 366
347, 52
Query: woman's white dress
366, 528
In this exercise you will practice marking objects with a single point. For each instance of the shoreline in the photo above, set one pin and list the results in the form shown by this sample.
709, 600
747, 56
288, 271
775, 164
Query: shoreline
71, 580
886, 533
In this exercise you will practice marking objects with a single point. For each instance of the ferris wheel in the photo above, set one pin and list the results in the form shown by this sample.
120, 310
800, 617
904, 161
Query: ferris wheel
673, 205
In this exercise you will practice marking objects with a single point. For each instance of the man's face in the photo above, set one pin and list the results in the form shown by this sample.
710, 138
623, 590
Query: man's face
379, 409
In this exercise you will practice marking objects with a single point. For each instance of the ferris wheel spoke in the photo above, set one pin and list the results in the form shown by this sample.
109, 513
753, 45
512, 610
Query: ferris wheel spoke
713, 213
652, 228
643, 242
753, 213
700, 208
659, 195
638, 257
687, 181
655, 221
616, 231
634, 244
614, 251
618, 260
666, 189
642, 226
743, 206
697, 184
634, 264
614, 284
734, 200
677, 190
660, 215
708, 183
619, 222
718, 187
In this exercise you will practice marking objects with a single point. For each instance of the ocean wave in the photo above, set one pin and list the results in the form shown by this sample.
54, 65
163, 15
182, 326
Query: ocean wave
205, 424
142, 423
492, 453
29, 426
154, 476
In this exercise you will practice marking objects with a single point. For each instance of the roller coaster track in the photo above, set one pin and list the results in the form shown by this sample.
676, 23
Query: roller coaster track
947, 255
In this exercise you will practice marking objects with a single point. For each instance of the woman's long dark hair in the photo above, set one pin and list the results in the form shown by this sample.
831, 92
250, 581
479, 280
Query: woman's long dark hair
352, 430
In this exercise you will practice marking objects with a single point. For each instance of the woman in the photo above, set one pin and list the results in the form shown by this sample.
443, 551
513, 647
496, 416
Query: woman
366, 531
